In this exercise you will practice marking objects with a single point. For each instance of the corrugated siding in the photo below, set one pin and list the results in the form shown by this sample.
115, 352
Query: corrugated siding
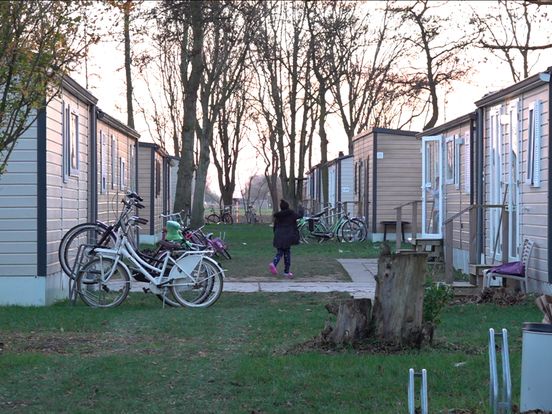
144, 183
18, 209
67, 202
347, 181
109, 201
399, 175
363, 147
456, 198
533, 200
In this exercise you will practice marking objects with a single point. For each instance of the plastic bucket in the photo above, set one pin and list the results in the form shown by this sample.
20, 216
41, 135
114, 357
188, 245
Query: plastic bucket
536, 367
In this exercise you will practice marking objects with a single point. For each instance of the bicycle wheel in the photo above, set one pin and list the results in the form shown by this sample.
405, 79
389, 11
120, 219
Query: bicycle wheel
227, 218
101, 284
212, 219
304, 232
363, 230
348, 231
86, 233
202, 287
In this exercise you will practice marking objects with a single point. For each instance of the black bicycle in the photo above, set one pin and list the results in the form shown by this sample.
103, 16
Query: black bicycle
225, 216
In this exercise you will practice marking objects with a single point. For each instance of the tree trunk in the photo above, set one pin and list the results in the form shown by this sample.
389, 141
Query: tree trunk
398, 307
353, 320
128, 64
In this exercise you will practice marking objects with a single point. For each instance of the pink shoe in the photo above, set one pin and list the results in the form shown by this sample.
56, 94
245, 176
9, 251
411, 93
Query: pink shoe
272, 268
288, 275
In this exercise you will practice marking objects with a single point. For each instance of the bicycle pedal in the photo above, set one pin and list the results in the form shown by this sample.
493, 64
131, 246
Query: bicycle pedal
146, 290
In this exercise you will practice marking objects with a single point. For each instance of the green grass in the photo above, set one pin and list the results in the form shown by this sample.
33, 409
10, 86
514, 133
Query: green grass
251, 249
242, 355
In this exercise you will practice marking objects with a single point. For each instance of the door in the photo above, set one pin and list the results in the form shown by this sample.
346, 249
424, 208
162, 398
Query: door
432, 187
496, 185
514, 183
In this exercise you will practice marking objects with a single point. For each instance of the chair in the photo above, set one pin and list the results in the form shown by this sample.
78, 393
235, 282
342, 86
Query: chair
512, 270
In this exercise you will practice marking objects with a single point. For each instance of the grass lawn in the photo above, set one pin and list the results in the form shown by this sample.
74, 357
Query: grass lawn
242, 355
245, 354
251, 249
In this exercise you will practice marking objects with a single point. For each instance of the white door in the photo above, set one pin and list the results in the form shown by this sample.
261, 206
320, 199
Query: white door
432, 187
496, 185
514, 183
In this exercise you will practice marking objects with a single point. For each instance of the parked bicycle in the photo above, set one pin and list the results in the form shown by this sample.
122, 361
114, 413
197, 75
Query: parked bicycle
251, 215
225, 216
324, 226
104, 277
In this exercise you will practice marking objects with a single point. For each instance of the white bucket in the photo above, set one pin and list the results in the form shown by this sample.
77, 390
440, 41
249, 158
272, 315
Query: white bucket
536, 367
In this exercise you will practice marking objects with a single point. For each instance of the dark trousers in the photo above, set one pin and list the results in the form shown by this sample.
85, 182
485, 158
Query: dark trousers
287, 258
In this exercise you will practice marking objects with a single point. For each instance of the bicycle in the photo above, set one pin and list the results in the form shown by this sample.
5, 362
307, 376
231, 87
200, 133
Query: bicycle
225, 216
317, 227
193, 279
251, 215
97, 233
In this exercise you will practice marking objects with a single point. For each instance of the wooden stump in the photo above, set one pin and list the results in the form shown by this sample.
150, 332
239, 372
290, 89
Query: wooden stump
353, 321
398, 307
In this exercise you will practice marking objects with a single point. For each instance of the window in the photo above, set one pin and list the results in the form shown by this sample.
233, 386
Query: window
458, 147
467, 164
534, 145
70, 142
122, 173
103, 163
132, 167
449, 167
113, 162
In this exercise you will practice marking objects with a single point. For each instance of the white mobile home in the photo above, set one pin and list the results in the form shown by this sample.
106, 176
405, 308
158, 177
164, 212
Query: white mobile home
46, 191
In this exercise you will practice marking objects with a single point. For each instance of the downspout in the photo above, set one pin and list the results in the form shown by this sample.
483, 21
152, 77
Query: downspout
41, 192
93, 168
549, 250
374, 181
479, 158
152, 192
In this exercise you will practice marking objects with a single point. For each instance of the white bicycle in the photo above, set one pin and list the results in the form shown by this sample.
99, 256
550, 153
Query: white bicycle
193, 279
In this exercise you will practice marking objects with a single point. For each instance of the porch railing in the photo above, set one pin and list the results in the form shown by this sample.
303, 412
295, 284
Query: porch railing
413, 221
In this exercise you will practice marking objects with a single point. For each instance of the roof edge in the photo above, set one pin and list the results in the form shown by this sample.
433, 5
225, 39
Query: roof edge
72, 86
447, 125
529, 83
115, 123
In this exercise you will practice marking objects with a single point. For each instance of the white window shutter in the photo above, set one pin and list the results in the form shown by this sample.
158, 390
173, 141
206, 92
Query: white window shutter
537, 148
467, 163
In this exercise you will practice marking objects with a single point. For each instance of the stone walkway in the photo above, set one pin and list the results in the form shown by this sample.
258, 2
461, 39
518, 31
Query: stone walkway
361, 271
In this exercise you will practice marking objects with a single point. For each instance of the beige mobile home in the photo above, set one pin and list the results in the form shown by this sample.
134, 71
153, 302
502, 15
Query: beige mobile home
387, 171
46, 191
117, 146
447, 197
515, 186
153, 186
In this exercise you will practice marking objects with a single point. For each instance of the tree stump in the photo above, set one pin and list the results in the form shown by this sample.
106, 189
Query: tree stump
353, 321
397, 316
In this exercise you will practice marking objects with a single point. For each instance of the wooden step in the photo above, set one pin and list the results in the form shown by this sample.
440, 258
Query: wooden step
465, 289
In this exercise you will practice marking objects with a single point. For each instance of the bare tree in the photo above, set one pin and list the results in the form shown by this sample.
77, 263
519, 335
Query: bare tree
284, 98
40, 42
429, 35
508, 31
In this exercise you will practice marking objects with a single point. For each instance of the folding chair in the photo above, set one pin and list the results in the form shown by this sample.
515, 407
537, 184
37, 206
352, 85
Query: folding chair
512, 270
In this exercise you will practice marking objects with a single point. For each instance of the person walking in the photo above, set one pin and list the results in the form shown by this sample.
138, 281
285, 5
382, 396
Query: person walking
286, 234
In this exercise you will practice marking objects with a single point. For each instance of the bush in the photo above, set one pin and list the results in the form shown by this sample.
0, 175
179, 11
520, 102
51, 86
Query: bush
437, 296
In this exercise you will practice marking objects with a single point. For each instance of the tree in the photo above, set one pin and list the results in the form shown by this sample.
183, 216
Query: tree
40, 42
508, 31
231, 27
284, 98
430, 35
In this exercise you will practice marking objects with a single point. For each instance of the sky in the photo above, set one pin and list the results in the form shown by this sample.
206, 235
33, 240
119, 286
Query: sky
107, 82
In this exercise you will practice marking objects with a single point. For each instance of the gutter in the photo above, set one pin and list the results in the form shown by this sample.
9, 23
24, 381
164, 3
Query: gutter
93, 174
479, 181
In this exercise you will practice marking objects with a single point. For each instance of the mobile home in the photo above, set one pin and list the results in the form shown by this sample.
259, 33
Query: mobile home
387, 174
514, 178
117, 165
46, 191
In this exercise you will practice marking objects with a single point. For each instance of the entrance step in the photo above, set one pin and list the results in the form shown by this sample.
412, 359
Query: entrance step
465, 289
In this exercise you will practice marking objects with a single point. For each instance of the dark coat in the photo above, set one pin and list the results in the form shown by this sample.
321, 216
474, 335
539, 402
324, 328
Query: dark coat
285, 229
